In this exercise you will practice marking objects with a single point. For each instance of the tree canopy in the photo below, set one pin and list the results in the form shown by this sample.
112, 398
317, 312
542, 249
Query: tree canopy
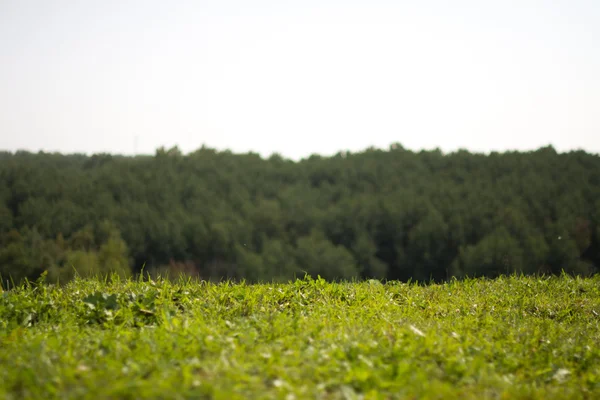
386, 214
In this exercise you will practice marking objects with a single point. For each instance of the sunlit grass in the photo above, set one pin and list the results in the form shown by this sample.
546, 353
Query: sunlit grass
513, 337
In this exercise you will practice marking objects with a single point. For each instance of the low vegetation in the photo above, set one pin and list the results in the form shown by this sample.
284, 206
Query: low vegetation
512, 337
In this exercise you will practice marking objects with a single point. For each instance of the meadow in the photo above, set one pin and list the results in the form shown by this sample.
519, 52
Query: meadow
512, 337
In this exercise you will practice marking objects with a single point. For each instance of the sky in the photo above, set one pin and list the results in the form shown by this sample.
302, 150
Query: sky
299, 77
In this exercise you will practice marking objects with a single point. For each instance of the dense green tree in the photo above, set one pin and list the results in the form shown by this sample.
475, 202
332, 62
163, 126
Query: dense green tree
316, 255
85, 257
77, 263
496, 254
278, 262
364, 251
6, 218
113, 255
427, 247
393, 214
15, 259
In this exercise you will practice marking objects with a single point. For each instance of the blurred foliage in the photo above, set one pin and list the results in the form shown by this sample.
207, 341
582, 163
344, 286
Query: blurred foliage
393, 214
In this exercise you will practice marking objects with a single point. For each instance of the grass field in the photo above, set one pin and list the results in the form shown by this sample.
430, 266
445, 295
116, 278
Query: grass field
512, 337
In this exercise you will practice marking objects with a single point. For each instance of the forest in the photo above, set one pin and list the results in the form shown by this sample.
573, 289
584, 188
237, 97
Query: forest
392, 214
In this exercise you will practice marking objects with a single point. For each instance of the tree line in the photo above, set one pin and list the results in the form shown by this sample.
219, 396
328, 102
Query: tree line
383, 214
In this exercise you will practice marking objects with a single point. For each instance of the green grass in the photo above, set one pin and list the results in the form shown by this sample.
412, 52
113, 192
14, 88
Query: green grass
512, 338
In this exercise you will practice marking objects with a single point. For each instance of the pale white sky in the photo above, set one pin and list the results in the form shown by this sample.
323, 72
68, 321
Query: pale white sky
299, 77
